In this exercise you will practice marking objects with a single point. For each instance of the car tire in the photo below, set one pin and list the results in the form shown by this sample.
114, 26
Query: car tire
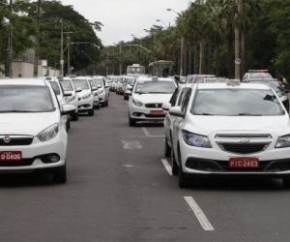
286, 183
91, 112
132, 122
59, 175
174, 165
167, 149
98, 106
75, 117
67, 125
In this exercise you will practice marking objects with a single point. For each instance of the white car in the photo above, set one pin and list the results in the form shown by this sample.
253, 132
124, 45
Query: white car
231, 129
95, 92
103, 90
148, 96
57, 88
70, 94
85, 96
33, 135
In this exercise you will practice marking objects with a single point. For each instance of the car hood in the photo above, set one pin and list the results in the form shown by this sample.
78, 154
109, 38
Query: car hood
153, 98
208, 125
27, 123
84, 92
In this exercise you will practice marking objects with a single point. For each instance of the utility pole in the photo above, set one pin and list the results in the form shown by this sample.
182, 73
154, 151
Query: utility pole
120, 58
37, 47
237, 41
8, 66
61, 49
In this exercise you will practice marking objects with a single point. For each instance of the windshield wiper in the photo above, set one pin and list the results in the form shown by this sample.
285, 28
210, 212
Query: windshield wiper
249, 114
205, 114
15, 111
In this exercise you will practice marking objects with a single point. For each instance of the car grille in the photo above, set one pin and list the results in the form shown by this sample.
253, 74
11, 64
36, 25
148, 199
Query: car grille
15, 140
243, 143
153, 105
243, 148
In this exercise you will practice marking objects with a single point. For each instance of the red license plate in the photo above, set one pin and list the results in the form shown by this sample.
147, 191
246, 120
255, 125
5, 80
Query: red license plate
156, 112
244, 162
10, 155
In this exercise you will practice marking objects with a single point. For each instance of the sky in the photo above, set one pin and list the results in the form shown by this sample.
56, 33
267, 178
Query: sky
124, 18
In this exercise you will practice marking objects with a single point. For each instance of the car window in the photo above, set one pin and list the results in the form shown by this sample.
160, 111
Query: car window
81, 83
236, 102
66, 85
173, 98
55, 87
181, 96
185, 100
155, 87
25, 99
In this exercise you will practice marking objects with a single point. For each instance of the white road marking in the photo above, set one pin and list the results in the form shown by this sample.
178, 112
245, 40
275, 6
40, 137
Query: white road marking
148, 135
127, 165
167, 166
131, 145
204, 222
146, 132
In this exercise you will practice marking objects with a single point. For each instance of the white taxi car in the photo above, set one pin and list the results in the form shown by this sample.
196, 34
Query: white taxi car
33, 135
85, 96
148, 96
231, 129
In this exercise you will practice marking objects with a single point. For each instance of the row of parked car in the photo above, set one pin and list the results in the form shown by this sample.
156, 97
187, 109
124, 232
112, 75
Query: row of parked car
215, 126
35, 116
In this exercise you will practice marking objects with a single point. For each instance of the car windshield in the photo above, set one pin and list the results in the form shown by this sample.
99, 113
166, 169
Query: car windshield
55, 87
67, 85
236, 102
99, 82
146, 87
81, 83
131, 81
25, 99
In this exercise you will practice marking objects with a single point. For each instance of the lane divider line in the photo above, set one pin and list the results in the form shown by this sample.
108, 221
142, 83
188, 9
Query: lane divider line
167, 166
146, 132
148, 135
204, 222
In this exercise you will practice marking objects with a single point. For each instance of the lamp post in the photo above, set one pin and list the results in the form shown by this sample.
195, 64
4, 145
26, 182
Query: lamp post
182, 47
37, 47
8, 63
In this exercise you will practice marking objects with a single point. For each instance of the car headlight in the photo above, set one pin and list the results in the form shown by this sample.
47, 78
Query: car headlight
70, 99
49, 133
283, 141
196, 139
86, 96
137, 103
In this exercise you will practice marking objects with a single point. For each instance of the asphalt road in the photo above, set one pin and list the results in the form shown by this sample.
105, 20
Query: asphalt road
119, 190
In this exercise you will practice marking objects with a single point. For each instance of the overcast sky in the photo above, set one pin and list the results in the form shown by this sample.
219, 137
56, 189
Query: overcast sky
122, 18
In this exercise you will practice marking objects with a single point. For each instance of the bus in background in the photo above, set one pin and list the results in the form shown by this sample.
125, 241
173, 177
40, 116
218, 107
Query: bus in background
135, 69
161, 68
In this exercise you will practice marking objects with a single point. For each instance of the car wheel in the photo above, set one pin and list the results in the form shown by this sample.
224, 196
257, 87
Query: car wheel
59, 174
98, 106
174, 165
167, 149
91, 112
67, 125
286, 182
183, 180
132, 122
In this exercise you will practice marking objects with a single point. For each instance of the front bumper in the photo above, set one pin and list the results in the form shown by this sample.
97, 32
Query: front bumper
145, 114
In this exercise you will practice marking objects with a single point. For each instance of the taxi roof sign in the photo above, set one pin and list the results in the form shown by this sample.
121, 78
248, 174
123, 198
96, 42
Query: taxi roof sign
233, 82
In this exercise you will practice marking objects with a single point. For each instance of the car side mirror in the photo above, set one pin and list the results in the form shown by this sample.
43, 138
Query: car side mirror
68, 109
79, 89
166, 106
94, 88
176, 111
67, 94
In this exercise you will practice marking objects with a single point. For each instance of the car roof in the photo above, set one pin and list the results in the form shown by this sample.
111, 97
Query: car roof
227, 86
24, 81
